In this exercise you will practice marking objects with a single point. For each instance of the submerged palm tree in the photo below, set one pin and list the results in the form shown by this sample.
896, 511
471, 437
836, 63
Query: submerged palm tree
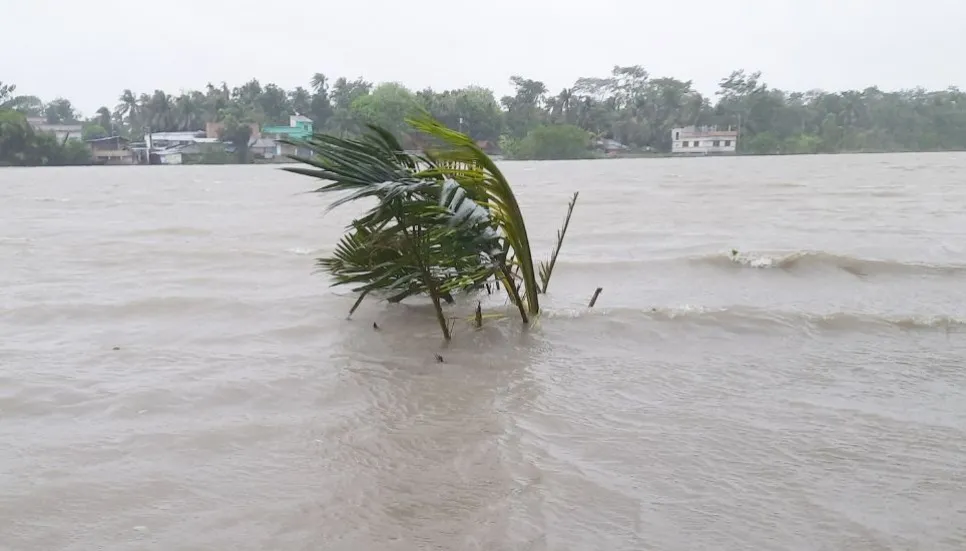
444, 221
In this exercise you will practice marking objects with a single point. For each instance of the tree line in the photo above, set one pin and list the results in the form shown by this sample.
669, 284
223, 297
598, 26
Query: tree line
20, 145
628, 105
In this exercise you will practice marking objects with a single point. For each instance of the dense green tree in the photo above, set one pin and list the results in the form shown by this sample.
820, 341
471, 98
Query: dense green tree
388, 106
60, 111
247, 94
300, 101
6, 94
103, 119
343, 94
28, 105
557, 141
628, 105
16, 136
189, 111
238, 133
274, 104
472, 110
93, 131
128, 111
320, 105
159, 112
21, 146
217, 100
525, 109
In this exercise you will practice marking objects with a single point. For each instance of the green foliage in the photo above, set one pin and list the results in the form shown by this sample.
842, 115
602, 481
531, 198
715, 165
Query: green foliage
802, 143
215, 154
524, 110
461, 159
628, 105
559, 141
92, 131
21, 146
763, 143
60, 111
442, 222
238, 133
425, 234
387, 106
28, 105
472, 110
509, 145
73, 152
546, 268
6, 92
103, 119
344, 92
16, 137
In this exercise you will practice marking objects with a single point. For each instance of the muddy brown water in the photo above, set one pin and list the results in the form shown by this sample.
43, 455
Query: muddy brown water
807, 392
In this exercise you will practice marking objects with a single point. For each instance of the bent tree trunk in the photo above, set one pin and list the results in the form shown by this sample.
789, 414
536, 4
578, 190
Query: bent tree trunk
437, 305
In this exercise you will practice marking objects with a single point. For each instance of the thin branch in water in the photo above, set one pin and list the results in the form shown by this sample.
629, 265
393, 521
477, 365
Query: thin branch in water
546, 269
593, 299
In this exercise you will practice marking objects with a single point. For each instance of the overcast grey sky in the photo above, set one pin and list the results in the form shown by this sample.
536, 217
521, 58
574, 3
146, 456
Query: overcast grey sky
90, 51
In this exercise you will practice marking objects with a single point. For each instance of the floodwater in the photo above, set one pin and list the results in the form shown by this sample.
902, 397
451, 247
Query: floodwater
175, 376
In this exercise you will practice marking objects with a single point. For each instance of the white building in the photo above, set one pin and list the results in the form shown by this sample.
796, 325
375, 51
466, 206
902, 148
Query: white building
70, 131
159, 140
703, 140
170, 148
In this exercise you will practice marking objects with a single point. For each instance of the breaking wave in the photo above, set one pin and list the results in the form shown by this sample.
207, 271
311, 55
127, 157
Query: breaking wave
745, 318
791, 262
817, 260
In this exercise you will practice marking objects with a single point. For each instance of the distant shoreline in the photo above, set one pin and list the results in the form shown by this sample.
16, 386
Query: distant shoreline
500, 158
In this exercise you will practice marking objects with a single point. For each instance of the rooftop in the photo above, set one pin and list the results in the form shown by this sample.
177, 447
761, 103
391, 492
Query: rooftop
705, 131
41, 123
197, 136
262, 142
108, 139
283, 130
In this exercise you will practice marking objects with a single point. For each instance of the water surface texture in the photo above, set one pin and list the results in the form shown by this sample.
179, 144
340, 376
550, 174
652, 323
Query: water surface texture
807, 392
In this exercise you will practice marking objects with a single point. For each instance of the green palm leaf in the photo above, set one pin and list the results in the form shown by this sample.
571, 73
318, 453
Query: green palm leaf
463, 160
443, 222
426, 234
546, 268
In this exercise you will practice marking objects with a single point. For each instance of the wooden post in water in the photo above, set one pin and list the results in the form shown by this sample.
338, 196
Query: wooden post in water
479, 315
593, 299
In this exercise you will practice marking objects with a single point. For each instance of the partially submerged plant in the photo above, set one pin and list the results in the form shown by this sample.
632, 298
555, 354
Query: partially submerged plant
546, 268
444, 222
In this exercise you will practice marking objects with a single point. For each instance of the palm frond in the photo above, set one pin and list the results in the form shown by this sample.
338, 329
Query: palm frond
462, 158
546, 268
352, 163
445, 221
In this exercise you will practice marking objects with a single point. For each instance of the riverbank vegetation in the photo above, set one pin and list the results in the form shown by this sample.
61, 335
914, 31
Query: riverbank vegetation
21, 146
627, 108
444, 222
